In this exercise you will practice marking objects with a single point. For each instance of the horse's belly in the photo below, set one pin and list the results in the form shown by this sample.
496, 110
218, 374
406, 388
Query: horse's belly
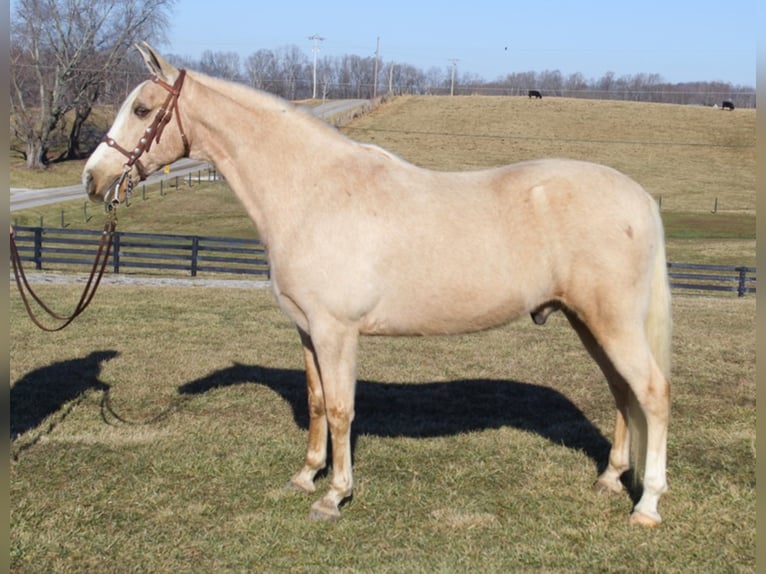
451, 310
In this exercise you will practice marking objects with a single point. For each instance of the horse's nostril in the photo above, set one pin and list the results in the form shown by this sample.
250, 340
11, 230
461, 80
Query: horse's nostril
88, 183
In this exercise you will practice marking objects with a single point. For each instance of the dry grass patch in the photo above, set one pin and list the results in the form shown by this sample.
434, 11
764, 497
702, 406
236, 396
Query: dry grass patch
686, 155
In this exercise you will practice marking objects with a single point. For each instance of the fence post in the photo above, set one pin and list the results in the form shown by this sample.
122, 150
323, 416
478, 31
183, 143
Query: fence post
116, 251
38, 248
741, 287
194, 252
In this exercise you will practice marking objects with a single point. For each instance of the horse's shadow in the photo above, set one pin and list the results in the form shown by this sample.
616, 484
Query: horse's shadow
434, 409
45, 391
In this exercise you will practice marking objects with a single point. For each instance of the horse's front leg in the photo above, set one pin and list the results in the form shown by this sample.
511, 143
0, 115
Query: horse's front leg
335, 348
316, 453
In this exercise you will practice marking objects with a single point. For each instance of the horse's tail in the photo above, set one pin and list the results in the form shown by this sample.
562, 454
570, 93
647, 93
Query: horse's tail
659, 322
658, 327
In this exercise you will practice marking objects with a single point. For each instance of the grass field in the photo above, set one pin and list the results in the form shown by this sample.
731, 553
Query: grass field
472, 452
156, 434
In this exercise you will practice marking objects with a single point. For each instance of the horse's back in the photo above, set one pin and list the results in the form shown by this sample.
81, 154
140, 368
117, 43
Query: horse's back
490, 246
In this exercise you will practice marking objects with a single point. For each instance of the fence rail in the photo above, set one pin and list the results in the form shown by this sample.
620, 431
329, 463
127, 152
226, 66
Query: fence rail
740, 280
61, 248
53, 248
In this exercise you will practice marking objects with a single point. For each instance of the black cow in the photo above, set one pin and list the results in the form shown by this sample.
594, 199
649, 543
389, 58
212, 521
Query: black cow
727, 105
535, 94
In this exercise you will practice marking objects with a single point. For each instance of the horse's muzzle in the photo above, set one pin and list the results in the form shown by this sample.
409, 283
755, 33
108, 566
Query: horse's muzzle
106, 193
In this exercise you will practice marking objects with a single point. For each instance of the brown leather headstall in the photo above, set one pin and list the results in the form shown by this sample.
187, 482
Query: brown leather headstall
153, 132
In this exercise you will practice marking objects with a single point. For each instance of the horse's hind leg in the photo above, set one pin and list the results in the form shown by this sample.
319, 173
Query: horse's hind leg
619, 455
624, 345
316, 453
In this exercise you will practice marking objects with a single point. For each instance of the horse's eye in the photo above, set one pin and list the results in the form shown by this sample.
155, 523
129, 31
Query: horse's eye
141, 111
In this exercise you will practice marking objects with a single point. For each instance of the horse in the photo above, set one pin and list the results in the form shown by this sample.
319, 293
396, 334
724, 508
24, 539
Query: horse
727, 105
360, 242
535, 94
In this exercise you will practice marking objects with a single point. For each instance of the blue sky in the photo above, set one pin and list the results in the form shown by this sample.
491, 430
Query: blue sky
704, 40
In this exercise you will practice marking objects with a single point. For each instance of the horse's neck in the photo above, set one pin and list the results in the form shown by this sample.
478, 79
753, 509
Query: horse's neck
262, 146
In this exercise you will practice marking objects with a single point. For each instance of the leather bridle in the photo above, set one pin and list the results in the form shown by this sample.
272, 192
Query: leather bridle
151, 134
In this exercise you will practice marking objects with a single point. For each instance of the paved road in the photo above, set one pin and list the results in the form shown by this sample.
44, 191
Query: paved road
27, 198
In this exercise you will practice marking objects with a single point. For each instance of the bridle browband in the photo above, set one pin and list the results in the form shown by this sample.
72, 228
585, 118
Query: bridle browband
151, 134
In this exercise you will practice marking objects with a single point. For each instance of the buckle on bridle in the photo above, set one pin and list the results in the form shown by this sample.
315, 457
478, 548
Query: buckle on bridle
115, 193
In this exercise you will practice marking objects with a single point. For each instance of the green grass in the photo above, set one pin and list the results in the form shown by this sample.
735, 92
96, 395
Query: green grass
471, 452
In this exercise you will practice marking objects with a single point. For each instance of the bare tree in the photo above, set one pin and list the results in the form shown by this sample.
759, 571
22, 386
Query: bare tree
224, 65
294, 70
262, 70
62, 54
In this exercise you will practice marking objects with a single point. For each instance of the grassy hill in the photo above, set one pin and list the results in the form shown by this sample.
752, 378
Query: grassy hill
694, 160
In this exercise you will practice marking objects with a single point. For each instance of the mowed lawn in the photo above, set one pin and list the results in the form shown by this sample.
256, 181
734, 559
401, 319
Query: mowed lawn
156, 433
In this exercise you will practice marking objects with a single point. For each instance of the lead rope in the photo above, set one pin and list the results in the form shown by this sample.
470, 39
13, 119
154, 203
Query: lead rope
96, 273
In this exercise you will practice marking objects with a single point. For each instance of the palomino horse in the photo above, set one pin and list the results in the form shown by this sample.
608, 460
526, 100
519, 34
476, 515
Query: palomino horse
361, 242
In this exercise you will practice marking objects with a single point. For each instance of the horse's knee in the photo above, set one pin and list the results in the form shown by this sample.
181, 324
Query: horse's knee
339, 419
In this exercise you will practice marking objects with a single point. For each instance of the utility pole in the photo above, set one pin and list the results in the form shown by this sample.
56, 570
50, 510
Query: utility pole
454, 62
316, 38
375, 76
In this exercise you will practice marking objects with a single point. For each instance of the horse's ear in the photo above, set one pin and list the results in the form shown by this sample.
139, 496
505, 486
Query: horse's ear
157, 65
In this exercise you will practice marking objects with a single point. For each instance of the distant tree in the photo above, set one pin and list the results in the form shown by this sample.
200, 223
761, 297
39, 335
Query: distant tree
63, 54
404, 78
224, 65
576, 84
550, 82
261, 70
435, 80
294, 71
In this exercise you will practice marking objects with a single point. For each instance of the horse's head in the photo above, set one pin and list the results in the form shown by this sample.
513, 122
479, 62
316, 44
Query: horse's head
131, 150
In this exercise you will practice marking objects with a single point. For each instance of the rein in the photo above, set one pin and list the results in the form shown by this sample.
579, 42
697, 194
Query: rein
96, 273
151, 134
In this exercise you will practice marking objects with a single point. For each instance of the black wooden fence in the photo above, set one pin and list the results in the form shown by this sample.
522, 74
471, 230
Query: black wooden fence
61, 248
741, 280
53, 248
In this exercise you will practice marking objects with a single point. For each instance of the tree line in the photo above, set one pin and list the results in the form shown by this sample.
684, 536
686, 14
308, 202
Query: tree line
288, 72
68, 56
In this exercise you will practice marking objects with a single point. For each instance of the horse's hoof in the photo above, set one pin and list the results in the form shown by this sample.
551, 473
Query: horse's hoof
297, 485
604, 487
643, 519
326, 512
